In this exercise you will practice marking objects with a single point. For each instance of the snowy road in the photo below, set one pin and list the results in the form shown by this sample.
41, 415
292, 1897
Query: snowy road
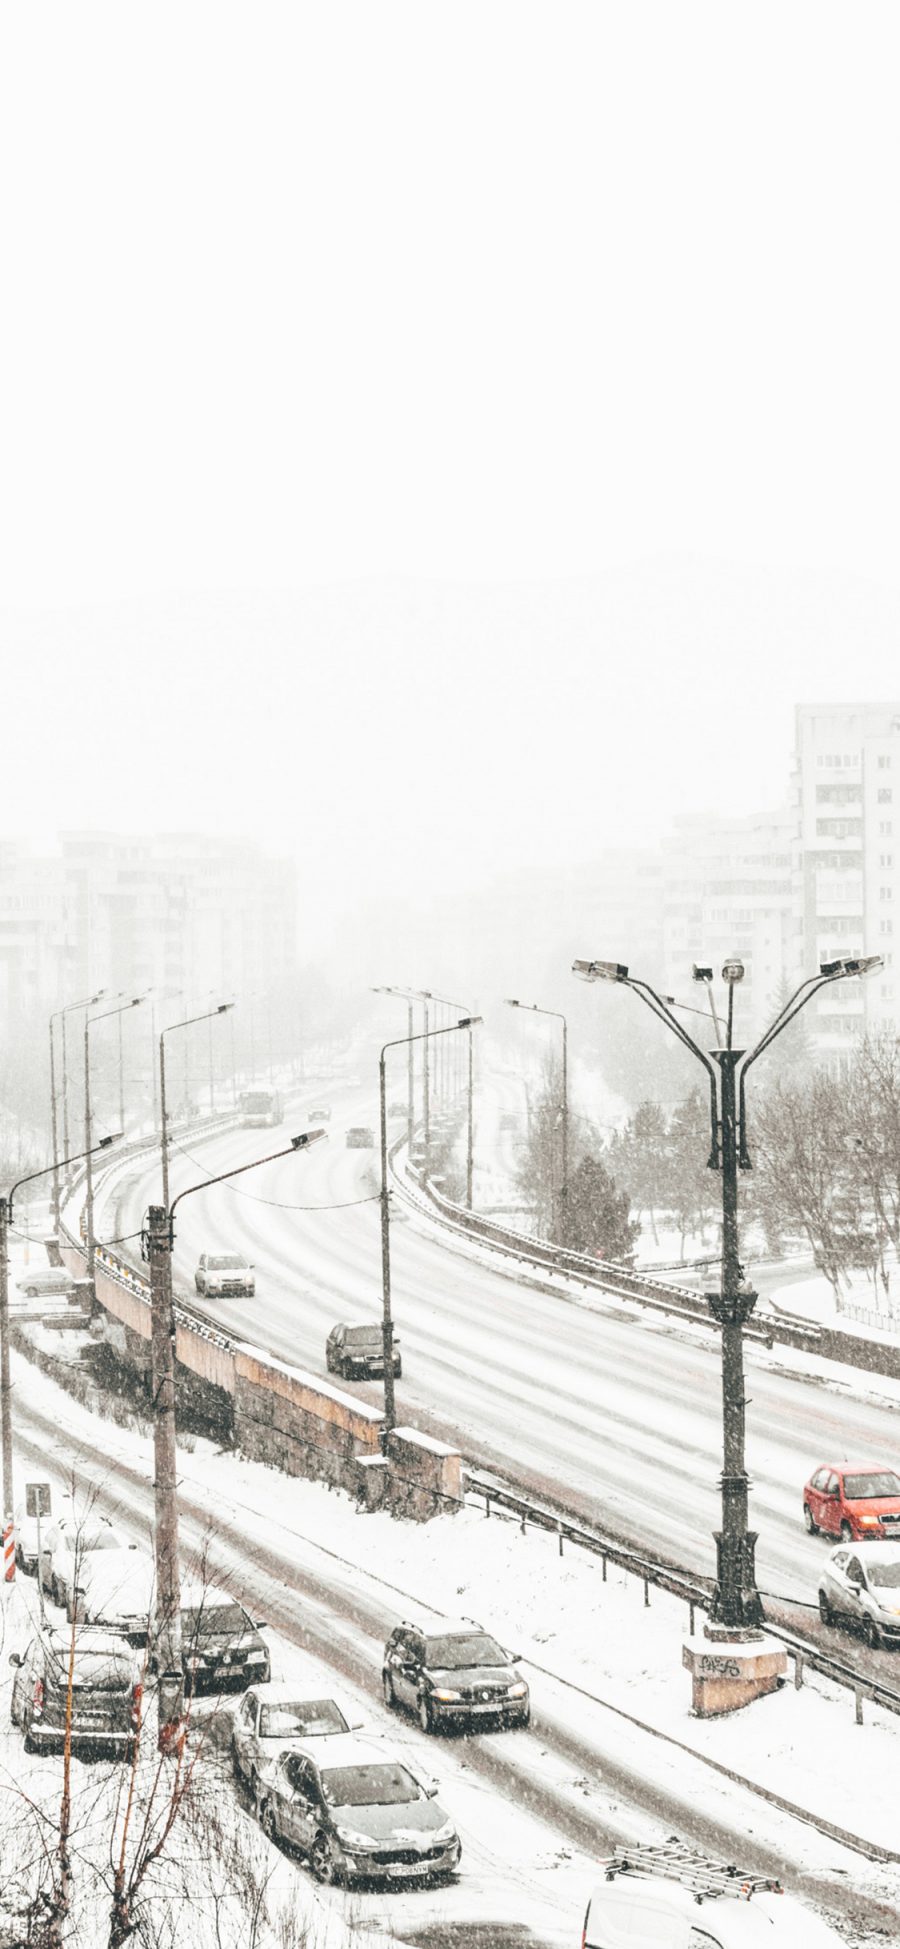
534, 1809
620, 1417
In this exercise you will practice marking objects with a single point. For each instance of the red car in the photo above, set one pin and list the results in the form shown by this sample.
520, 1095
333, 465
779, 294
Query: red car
853, 1500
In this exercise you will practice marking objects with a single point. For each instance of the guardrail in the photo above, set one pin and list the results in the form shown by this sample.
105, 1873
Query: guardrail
659, 1294
695, 1591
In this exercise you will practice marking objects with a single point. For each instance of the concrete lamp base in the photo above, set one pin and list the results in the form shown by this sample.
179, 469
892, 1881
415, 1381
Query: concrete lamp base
731, 1668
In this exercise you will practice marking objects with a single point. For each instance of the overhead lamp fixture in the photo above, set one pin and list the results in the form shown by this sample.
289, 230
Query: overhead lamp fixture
732, 971
600, 970
701, 974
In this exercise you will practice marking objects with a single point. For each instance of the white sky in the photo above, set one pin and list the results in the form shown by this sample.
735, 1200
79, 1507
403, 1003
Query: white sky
488, 408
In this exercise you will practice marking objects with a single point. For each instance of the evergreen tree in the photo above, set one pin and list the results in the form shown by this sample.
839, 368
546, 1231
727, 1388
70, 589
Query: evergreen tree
598, 1218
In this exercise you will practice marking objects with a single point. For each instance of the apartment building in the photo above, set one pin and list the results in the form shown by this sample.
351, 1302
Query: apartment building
183, 914
846, 803
728, 890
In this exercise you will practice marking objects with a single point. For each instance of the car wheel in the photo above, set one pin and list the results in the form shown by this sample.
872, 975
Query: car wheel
871, 1633
29, 1744
426, 1716
31, 1292
398, 1370
54, 1591
387, 1686
846, 1533
808, 1524
825, 1611
268, 1823
322, 1861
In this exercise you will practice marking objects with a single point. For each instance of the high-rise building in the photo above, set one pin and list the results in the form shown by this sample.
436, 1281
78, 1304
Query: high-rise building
847, 879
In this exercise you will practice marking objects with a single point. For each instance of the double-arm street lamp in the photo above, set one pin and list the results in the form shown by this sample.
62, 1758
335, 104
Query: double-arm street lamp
90, 1022
387, 1326
446, 1001
406, 995
157, 1240
208, 1016
6, 1212
562, 1206
736, 1601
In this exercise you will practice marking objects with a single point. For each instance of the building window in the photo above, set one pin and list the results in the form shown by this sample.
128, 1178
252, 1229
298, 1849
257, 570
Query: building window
885, 893
885, 859
886, 927
884, 763
886, 829
885, 795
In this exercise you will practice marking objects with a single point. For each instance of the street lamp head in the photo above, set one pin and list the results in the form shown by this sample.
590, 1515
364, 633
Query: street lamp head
105, 1142
306, 1138
831, 967
511, 1003
864, 964
701, 974
224, 1007
468, 1021
600, 970
732, 971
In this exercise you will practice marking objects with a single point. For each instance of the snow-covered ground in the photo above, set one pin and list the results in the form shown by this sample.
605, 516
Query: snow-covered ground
600, 1664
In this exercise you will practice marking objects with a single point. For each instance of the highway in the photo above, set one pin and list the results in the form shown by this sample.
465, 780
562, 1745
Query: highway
621, 1418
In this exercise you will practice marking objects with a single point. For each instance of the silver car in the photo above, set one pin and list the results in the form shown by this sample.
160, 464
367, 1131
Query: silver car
273, 1717
357, 1814
860, 1585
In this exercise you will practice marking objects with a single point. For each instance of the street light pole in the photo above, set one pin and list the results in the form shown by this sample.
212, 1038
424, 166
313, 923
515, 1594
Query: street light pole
387, 1324
157, 1243
448, 1002
87, 1001
53, 1132
562, 1213
735, 1601
89, 1023
209, 1016
6, 1213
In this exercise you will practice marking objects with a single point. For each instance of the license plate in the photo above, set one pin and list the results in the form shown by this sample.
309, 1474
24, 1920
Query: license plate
402, 1869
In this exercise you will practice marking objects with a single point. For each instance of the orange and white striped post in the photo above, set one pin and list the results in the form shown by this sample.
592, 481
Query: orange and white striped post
9, 1551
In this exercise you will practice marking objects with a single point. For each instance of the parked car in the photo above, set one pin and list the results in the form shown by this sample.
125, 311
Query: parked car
357, 1352
66, 1544
116, 1589
106, 1692
455, 1672
42, 1282
853, 1500
225, 1275
318, 1116
360, 1137
221, 1643
26, 1532
270, 1719
398, 1109
668, 1895
357, 1814
860, 1585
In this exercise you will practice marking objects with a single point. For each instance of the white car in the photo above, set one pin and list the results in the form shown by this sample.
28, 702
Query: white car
116, 1588
64, 1549
274, 1716
43, 1282
25, 1530
225, 1274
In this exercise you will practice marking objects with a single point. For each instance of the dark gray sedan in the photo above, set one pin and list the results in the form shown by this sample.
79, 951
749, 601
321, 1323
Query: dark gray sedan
860, 1586
356, 1814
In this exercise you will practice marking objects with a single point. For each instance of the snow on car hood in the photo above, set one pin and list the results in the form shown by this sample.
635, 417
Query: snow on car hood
408, 1822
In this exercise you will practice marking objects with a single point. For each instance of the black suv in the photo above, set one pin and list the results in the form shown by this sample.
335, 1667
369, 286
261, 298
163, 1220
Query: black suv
357, 1352
106, 1693
454, 1672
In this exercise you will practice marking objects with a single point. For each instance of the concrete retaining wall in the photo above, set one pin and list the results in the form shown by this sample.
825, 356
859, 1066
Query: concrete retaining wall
269, 1411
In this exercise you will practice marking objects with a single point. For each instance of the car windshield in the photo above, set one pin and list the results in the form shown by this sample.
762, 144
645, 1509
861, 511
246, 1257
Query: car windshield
300, 1719
209, 1620
228, 1262
453, 1654
363, 1336
380, 1785
858, 1488
884, 1576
